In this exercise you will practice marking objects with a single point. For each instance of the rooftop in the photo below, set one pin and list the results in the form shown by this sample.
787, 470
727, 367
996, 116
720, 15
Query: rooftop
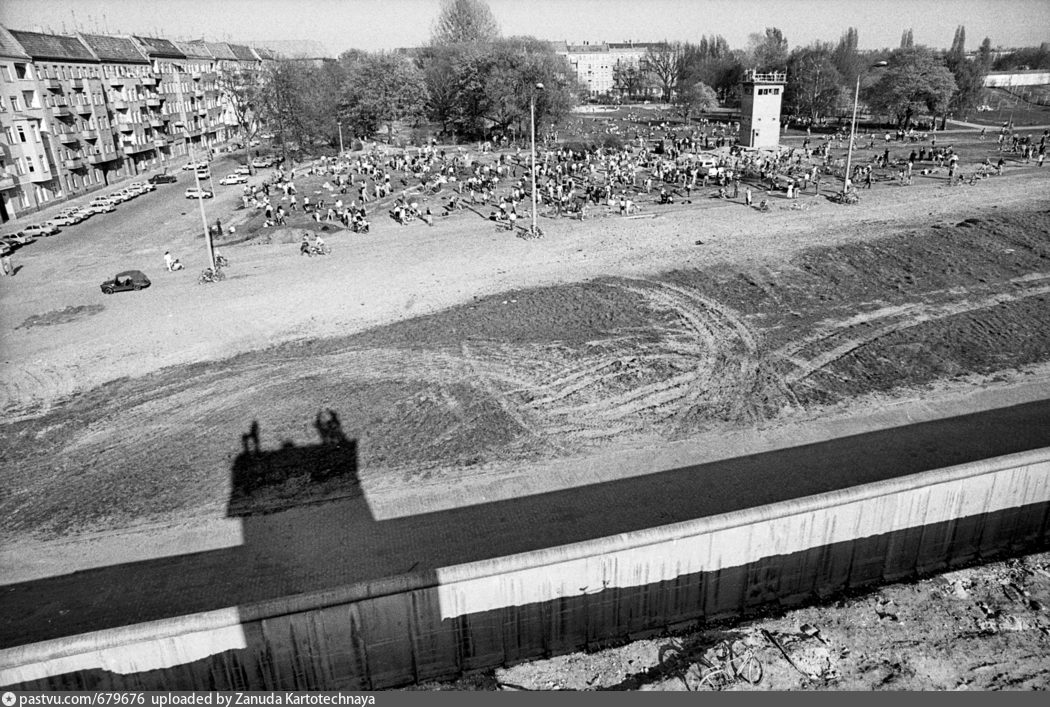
114, 49
53, 46
158, 48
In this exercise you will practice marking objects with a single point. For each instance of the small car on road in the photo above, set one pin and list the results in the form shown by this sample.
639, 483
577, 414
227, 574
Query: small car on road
195, 193
243, 169
127, 280
234, 179
261, 162
70, 217
163, 179
101, 205
35, 230
18, 239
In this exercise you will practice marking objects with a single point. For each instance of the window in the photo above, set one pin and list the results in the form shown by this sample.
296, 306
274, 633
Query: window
14, 102
7, 72
36, 131
21, 71
21, 134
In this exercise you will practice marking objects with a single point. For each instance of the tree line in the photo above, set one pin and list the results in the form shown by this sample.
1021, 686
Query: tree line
474, 83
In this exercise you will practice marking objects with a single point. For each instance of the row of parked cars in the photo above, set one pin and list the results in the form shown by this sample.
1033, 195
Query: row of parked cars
75, 214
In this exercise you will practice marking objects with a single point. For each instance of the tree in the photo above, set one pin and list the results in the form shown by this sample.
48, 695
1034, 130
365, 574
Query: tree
663, 63
907, 39
242, 91
628, 79
282, 105
694, 98
464, 21
769, 51
915, 80
815, 87
380, 89
847, 59
969, 75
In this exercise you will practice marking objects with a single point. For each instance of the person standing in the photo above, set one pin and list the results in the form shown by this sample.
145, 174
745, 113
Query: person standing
168, 260
747, 196
5, 264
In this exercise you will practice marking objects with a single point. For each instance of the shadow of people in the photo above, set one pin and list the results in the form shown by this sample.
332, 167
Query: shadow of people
269, 480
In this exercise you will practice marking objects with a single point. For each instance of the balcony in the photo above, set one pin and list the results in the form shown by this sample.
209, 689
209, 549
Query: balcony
197, 75
155, 122
117, 81
62, 112
83, 108
102, 157
78, 84
134, 148
120, 105
52, 84
7, 181
161, 142
89, 134
59, 102
66, 137
149, 80
75, 163
127, 127
40, 177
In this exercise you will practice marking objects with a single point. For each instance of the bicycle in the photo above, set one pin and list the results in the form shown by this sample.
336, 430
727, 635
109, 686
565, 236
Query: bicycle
209, 275
730, 666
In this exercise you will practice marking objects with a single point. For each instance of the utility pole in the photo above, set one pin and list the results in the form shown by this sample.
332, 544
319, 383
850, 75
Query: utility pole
532, 114
340, 123
204, 219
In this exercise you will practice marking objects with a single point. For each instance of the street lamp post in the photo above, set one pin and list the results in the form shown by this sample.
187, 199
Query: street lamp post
853, 131
532, 115
204, 219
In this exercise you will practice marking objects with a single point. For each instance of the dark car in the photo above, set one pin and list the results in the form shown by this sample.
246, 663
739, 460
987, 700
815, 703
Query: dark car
163, 179
127, 280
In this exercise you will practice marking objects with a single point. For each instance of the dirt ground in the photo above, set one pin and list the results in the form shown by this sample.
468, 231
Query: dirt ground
454, 353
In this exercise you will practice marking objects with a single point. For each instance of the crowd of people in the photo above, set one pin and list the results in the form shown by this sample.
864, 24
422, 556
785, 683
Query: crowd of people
625, 168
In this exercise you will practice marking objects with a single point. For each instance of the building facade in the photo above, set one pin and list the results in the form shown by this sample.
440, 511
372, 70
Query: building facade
79, 112
597, 65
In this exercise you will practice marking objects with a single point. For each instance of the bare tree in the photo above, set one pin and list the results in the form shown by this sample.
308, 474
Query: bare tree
664, 63
464, 21
242, 91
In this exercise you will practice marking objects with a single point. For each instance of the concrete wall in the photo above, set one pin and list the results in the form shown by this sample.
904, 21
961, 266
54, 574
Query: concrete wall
513, 608
1017, 78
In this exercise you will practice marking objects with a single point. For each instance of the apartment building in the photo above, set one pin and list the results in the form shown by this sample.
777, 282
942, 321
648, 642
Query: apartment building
79, 112
596, 64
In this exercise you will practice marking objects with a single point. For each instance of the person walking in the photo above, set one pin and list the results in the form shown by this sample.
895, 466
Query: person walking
5, 264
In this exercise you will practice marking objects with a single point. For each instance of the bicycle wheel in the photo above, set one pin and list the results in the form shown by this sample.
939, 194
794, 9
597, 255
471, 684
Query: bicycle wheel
748, 668
715, 679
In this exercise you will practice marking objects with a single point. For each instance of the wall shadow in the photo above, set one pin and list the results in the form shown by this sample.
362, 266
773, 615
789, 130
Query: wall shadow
319, 546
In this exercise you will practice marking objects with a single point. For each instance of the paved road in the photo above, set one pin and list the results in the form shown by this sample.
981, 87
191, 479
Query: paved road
134, 236
327, 545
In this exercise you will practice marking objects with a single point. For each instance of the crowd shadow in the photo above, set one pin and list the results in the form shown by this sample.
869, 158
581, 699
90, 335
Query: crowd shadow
267, 480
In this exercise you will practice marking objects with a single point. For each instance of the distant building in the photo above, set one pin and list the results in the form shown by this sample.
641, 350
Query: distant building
79, 112
760, 100
597, 65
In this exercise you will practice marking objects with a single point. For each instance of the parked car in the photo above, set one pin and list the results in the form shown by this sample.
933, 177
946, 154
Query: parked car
142, 186
118, 197
190, 166
243, 169
163, 179
234, 179
18, 239
101, 205
261, 162
195, 193
35, 230
203, 174
11, 243
70, 217
127, 280
125, 194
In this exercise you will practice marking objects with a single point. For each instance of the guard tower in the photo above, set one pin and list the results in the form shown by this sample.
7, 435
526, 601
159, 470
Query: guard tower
760, 108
